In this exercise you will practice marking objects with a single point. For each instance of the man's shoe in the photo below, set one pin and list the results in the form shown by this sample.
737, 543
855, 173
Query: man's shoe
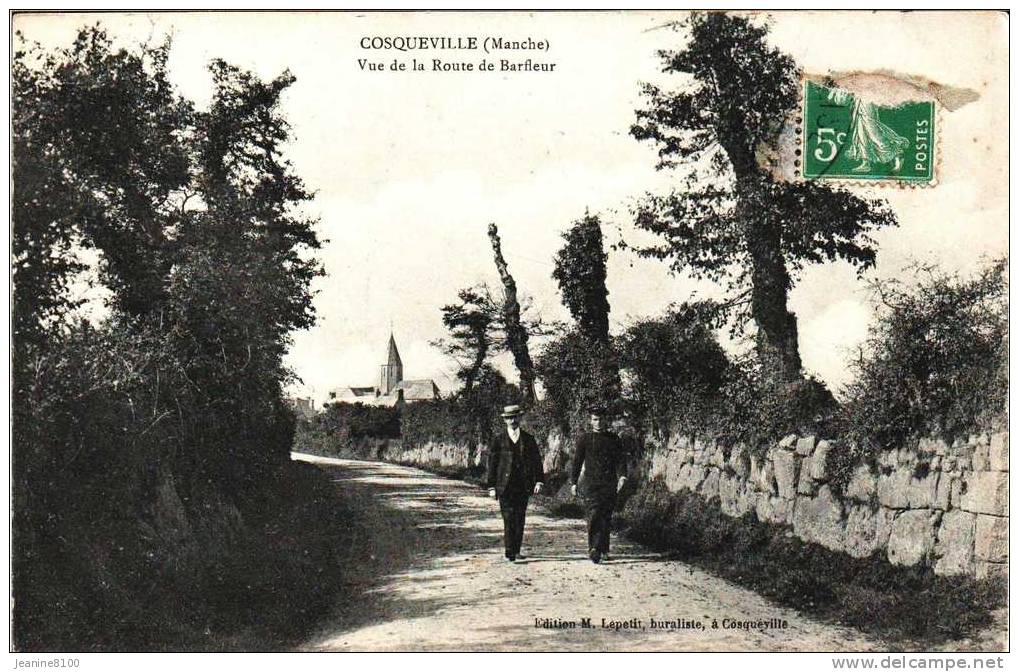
511, 558
595, 556
521, 557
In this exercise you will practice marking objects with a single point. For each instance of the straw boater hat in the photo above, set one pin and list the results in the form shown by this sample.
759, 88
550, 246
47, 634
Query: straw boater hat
511, 411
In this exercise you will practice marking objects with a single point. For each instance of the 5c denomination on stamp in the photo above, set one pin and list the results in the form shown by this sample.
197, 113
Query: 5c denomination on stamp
846, 136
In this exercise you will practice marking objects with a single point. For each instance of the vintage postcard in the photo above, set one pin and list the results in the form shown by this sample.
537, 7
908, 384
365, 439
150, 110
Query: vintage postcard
510, 331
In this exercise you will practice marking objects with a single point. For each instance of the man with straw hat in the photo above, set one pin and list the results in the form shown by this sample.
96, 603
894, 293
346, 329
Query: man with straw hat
514, 474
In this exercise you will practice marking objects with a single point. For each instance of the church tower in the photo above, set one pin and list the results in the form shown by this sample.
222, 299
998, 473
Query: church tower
392, 370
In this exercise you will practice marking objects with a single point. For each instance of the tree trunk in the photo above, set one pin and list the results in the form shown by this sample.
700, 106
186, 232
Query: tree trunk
479, 360
516, 335
777, 336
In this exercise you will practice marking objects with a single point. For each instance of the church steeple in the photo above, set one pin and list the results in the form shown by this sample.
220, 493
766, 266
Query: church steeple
392, 370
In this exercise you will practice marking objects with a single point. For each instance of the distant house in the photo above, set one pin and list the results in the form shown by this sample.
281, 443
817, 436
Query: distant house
392, 389
303, 406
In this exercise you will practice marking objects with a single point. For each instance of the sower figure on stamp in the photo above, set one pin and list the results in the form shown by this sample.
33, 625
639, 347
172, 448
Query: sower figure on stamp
514, 473
600, 454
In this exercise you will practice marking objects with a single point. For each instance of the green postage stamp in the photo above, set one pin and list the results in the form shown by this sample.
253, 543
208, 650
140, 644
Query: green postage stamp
847, 137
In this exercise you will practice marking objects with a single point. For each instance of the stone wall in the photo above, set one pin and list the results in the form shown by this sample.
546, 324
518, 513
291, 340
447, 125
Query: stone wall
442, 453
557, 452
935, 504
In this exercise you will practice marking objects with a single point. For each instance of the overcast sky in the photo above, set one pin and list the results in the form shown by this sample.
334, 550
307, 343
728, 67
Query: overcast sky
409, 168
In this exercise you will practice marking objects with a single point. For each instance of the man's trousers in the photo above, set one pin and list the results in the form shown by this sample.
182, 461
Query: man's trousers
514, 511
599, 521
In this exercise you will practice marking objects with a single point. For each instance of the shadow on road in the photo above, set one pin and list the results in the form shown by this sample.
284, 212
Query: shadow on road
425, 572
413, 533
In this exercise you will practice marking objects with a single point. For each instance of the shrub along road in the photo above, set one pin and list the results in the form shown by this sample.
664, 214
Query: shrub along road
425, 571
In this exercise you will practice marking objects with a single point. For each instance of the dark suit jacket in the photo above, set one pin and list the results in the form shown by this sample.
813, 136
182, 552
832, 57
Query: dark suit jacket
504, 456
603, 459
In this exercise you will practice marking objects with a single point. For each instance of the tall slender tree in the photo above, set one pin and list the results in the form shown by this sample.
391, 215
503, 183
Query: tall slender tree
730, 219
516, 332
580, 273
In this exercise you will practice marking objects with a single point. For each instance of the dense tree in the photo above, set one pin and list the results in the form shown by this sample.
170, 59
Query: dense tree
240, 282
484, 402
577, 373
580, 273
731, 218
194, 217
675, 362
98, 159
477, 331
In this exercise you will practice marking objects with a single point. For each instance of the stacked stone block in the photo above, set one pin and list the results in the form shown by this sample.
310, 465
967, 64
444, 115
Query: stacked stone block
933, 504
442, 453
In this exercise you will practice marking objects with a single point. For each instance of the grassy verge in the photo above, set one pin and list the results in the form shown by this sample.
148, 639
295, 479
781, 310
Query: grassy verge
291, 575
909, 607
211, 575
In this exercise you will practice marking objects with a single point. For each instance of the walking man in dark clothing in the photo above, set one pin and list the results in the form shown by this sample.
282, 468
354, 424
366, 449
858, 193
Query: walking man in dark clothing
514, 472
600, 455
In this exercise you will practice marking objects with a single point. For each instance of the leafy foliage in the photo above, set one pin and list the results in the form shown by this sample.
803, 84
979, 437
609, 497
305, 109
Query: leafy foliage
97, 157
465, 418
936, 359
361, 431
195, 217
435, 420
482, 406
674, 364
471, 323
352, 422
758, 413
580, 368
576, 374
580, 273
730, 219
477, 333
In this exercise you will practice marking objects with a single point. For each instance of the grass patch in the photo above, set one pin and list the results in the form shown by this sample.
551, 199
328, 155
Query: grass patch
564, 508
898, 604
242, 575
292, 572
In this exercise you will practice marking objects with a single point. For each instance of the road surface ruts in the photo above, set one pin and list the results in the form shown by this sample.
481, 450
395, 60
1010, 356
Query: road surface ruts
426, 573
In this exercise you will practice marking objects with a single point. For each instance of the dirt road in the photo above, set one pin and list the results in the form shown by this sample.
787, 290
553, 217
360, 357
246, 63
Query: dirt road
427, 573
